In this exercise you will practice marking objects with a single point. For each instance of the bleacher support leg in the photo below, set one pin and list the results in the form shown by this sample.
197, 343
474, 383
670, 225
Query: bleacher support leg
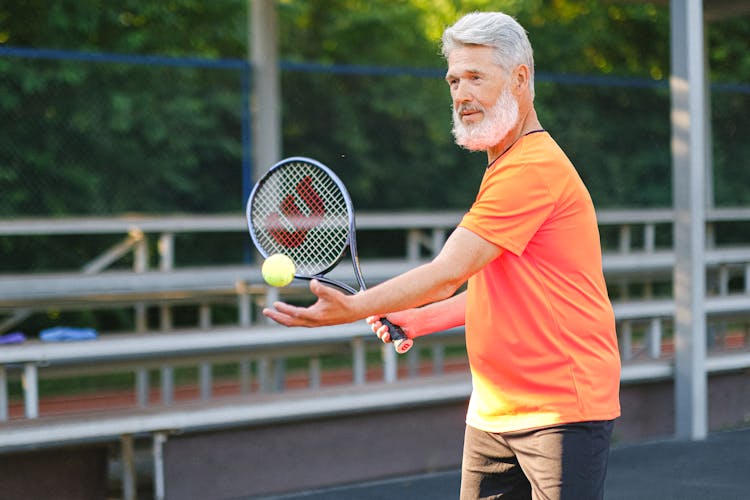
359, 362
31, 390
158, 451
3, 395
390, 364
129, 477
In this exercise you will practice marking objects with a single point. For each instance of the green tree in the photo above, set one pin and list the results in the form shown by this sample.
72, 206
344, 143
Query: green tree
102, 137
106, 138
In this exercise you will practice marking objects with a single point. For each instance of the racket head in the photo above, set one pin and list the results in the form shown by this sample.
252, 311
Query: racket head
300, 208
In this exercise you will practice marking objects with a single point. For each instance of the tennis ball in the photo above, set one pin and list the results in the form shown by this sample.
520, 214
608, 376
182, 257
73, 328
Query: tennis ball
278, 270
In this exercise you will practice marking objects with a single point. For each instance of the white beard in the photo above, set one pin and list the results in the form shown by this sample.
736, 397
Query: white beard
496, 124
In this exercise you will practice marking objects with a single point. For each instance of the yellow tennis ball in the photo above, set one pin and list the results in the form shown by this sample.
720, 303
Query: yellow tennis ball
278, 270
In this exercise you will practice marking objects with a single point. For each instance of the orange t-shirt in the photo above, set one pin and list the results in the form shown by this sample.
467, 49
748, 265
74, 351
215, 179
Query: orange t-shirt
540, 330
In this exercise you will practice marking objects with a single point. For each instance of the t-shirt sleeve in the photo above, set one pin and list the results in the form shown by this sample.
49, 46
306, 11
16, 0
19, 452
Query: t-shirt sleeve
511, 206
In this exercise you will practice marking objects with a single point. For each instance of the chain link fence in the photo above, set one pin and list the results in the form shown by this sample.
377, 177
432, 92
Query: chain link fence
106, 134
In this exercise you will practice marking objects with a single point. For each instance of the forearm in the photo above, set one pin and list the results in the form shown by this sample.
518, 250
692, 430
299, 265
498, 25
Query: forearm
434, 317
432, 282
463, 254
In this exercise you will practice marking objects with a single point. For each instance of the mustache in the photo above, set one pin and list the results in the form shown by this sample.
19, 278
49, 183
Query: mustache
468, 108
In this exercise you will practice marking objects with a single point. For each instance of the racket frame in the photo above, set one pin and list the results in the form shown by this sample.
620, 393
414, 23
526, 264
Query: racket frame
401, 342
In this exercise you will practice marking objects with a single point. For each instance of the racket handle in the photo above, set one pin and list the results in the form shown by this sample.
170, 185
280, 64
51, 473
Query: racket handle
401, 342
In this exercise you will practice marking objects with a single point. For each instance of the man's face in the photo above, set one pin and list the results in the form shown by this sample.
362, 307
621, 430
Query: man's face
484, 109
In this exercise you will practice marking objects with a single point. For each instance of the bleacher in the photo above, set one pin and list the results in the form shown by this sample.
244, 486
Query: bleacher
267, 358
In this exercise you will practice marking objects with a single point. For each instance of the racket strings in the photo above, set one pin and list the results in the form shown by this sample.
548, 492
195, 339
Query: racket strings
301, 212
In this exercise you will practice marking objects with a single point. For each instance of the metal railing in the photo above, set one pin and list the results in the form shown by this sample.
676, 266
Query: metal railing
644, 321
263, 354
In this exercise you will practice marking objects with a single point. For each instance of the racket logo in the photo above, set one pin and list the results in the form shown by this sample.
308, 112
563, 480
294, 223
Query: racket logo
300, 220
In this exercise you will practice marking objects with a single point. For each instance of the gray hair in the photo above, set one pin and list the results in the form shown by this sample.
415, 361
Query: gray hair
497, 30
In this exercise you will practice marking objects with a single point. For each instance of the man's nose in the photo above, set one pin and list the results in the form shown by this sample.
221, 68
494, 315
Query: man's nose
461, 93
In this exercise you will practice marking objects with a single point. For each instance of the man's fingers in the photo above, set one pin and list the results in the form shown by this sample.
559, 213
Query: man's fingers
278, 314
378, 328
288, 315
384, 334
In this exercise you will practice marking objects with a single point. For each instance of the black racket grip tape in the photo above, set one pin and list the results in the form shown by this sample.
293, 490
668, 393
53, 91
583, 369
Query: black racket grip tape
401, 342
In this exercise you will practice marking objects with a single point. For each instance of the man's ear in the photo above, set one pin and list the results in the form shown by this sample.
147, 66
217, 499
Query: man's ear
520, 78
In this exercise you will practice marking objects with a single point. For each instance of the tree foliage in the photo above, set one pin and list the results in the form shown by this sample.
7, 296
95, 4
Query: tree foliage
112, 137
95, 137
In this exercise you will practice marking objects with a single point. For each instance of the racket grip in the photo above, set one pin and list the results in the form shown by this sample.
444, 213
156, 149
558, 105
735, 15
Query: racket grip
401, 342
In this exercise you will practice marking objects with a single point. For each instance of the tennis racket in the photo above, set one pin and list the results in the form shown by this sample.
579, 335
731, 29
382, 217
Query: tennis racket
300, 208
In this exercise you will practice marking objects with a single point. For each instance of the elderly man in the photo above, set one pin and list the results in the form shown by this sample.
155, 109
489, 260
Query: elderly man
540, 330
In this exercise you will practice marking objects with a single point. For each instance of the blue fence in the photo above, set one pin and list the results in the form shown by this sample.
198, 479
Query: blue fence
111, 133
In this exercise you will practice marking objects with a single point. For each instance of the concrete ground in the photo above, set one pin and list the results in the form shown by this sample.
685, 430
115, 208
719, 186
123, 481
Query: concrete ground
717, 468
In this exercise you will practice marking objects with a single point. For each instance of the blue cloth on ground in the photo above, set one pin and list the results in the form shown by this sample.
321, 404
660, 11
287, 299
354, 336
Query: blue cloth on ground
12, 338
66, 334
